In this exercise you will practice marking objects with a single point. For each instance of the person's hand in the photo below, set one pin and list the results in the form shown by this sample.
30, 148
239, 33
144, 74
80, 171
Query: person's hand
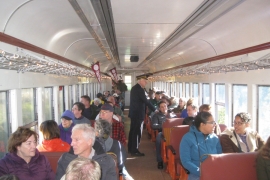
156, 111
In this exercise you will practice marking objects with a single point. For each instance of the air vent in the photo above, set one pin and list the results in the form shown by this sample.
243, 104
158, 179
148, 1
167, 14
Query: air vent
134, 58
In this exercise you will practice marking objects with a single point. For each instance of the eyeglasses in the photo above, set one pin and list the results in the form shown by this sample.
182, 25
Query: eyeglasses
238, 123
213, 123
104, 112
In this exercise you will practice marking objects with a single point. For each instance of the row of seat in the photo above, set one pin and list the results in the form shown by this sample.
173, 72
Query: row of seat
53, 158
173, 131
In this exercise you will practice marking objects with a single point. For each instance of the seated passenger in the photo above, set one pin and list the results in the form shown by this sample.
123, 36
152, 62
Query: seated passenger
184, 112
181, 105
87, 111
173, 103
23, 159
51, 135
118, 130
157, 120
83, 139
116, 110
198, 141
192, 112
103, 130
95, 108
66, 126
207, 108
263, 162
100, 96
82, 168
240, 138
77, 110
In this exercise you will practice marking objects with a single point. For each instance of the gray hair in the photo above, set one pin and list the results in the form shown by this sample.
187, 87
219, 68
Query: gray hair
103, 127
97, 99
83, 168
245, 117
88, 131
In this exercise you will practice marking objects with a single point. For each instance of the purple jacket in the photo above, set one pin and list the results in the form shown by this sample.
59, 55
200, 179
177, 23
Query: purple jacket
65, 135
38, 168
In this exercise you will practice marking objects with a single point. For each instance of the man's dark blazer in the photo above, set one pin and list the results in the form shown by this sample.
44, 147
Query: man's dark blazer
137, 103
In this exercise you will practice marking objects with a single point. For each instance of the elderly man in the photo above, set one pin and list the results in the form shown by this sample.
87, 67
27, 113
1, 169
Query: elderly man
118, 132
83, 138
157, 120
137, 114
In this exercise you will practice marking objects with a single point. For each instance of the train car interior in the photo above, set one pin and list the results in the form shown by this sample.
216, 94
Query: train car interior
214, 51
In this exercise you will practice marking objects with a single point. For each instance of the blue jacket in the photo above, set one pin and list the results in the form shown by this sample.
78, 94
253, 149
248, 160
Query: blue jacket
184, 114
65, 135
189, 153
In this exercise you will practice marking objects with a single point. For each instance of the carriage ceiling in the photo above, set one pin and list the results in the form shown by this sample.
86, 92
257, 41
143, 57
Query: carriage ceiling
167, 36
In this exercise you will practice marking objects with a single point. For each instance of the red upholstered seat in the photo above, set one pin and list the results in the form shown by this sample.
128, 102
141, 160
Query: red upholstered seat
53, 158
229, 166
176, 135
166, 130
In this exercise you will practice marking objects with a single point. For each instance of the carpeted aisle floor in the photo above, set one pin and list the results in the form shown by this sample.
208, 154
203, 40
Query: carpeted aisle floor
144, 168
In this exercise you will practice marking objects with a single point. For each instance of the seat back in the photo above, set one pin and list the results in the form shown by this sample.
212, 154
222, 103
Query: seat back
229, 166
222, 127
177, 134
53, 158
114, 156
167, 125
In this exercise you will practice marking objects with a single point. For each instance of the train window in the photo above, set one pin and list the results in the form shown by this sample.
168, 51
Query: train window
128, 82
48, 99
263, 111
187, 91
220, 103
86, 89
82, 91
4, 125
196, 93
180, 89
206, 93
77, 92
239, 99
70, 93
28, 106
61, 105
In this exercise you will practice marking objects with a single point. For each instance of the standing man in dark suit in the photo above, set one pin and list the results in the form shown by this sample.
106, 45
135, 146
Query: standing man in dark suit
137, 113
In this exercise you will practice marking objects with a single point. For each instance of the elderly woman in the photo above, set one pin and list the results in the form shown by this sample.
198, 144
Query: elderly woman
51, 135
95, 107
198, 141
66, 126
103, 130
263, 162
240, 138
23, 159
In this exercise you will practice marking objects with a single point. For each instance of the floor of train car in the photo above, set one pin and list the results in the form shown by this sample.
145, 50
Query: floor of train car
144, 168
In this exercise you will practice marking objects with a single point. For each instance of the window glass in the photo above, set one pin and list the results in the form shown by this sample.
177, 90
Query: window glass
196, 93
180, 89
187, 91
206, 93
220, 103
28, 106
263, 111
61, 107
128, 82
48, 99
3, 124
239, 99
78, 93
70, 92
82, 92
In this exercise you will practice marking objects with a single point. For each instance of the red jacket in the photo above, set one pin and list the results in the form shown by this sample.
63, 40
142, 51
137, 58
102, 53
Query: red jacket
53, 145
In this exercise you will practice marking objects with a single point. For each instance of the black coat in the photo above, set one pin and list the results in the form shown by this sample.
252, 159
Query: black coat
137, 103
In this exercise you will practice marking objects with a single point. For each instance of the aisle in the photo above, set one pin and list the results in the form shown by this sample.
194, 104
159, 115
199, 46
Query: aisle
144, 168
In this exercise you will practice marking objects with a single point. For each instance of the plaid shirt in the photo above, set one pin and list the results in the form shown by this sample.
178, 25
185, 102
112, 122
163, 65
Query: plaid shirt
118, 132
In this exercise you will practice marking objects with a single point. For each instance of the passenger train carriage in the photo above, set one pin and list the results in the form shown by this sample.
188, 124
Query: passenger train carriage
215, 51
